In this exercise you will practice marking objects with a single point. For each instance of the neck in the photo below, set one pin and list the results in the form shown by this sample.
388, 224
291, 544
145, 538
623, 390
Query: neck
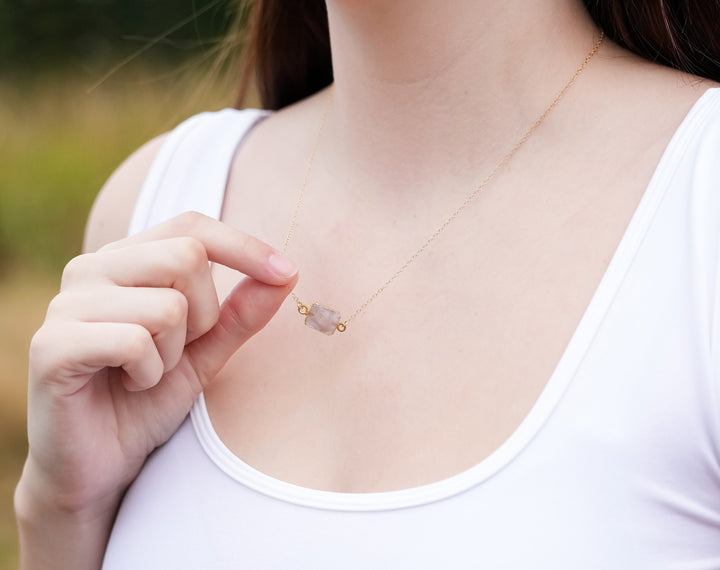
416, 81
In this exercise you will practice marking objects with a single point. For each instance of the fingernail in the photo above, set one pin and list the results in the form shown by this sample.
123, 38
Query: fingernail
283, 266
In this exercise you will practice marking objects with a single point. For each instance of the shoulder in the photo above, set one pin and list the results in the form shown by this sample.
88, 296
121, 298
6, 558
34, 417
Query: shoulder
640, 89
110, 215
695, 146
641, 106
703, 133
698, 161
284, 138
291, 127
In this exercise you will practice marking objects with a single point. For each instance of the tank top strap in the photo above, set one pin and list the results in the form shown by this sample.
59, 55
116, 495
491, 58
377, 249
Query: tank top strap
191, 168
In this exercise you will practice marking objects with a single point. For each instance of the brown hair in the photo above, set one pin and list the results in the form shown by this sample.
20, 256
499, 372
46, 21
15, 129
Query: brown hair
684, 34
287, 54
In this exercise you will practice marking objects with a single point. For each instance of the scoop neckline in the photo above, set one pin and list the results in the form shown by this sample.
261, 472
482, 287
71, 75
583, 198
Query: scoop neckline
561, 377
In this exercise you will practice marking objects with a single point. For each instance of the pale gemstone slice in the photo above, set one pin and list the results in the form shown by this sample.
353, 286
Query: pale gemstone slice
322, 319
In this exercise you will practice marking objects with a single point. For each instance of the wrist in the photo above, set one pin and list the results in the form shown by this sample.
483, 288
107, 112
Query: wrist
37, 493
60, 531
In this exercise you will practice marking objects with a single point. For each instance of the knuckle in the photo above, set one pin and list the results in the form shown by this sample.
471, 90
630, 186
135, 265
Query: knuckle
187, 221
137, 343
191, 254
175, 308
45, 360
75, 269
38, 342
56, 305
111, 246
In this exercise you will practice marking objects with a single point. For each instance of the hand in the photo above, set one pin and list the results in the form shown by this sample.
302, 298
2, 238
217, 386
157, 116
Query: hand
129, 343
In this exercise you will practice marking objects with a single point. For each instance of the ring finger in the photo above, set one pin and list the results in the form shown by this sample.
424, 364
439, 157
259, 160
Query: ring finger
162, 311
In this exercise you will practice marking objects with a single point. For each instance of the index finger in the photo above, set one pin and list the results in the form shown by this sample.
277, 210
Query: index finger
224, 245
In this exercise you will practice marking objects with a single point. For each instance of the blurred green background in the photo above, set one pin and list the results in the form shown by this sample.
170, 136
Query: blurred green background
82, 84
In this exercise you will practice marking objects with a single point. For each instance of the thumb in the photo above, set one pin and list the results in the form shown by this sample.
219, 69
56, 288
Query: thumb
245, 311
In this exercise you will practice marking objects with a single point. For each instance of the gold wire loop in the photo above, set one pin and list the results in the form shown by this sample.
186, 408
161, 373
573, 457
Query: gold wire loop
341, 327
303, 309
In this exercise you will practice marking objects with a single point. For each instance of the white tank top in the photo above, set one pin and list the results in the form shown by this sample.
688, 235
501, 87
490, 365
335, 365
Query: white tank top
617, 465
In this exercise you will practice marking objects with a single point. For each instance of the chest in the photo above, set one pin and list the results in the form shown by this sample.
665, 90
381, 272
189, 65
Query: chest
442, 365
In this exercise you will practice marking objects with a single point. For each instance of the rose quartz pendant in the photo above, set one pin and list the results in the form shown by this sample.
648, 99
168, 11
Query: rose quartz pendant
323, 319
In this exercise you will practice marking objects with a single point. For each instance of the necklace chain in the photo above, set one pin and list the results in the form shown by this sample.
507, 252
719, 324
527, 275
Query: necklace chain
341, 326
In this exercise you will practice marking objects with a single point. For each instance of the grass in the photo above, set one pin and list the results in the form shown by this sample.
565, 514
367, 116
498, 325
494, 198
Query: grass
58, 144
23, 298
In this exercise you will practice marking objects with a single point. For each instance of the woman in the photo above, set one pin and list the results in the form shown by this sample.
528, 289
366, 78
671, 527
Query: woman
534, 384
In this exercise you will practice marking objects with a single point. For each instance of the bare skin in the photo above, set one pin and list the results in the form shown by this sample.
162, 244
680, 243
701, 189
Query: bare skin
445, 364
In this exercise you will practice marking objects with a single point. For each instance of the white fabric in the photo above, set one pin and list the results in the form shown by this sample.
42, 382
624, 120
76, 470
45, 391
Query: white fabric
617, 466
191, 167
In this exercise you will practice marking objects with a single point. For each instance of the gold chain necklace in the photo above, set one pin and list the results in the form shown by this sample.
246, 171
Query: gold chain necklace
326, 320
